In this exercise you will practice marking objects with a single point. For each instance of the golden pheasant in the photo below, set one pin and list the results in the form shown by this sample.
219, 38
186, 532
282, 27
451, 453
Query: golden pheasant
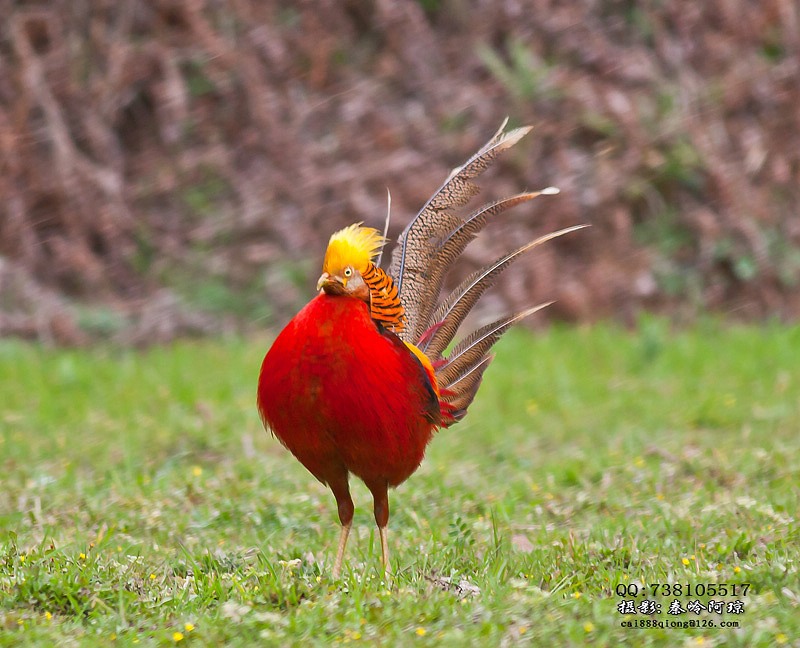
357, 382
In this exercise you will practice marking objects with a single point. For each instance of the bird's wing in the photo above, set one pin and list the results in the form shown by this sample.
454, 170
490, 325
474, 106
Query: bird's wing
431, 405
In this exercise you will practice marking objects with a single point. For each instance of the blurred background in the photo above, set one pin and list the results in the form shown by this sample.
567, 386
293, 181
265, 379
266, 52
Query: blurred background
175, 167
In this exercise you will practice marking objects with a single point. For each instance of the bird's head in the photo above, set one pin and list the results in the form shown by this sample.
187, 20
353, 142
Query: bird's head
349, 253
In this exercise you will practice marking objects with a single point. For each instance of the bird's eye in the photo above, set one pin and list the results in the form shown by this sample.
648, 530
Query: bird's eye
348, 272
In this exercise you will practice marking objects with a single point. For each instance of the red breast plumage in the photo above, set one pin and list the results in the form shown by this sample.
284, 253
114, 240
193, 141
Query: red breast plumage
339, 392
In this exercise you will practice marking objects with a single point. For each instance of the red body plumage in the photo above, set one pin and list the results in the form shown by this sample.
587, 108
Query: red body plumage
344, 395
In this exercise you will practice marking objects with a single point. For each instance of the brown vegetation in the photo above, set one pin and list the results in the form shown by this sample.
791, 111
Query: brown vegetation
176, 166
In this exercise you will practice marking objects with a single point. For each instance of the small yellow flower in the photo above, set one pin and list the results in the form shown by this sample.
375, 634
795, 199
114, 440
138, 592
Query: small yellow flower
702, 545
659, 496
177, 636
197, 471
692, 557
356, 635
685, 561
188, 627
22, 559
523, 630
119, 548
420, 631
534, 487
152, 577
588, 626
548, 496
719, 567
576, 595
48, 616
781, 638
113, 637
737, 569
82, 556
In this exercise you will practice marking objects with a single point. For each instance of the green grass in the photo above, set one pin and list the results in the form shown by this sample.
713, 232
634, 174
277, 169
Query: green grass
139, 493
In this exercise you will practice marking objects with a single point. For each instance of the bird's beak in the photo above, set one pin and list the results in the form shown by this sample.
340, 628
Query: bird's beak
331, 285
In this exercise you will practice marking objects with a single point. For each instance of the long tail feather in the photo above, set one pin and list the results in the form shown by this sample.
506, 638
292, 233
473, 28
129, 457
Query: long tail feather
466, 380
456, 241
419, 243
473, 347
461, 375
461, 391
427, 248
452, 311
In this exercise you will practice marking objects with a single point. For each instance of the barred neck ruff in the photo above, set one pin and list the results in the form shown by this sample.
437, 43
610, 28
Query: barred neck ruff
385, 306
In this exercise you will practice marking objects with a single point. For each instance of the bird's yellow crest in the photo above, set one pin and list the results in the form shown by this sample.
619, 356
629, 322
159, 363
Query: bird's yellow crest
354, 246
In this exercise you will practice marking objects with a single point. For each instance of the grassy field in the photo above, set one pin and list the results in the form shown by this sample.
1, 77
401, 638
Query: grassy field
142, 503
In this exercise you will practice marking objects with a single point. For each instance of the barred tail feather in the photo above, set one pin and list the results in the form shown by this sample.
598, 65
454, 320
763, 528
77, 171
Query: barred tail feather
460, 393
415, 255
451, 247
460, 376
451, 312
472, 348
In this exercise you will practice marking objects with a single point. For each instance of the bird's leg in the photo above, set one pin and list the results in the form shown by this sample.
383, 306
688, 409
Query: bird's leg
380, 496
337, 564
341, 491
387, 566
